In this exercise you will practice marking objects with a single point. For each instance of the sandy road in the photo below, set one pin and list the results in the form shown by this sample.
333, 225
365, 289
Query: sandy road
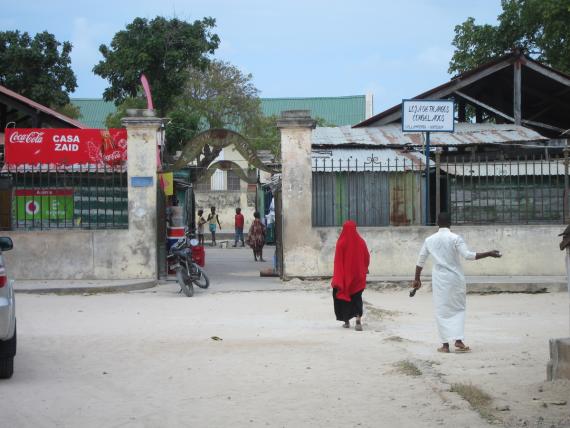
147, 359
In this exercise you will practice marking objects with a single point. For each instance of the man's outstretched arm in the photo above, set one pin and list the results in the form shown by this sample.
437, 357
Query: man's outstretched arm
493, 253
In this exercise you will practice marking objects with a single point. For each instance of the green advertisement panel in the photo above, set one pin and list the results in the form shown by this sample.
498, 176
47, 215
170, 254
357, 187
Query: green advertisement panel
44, 204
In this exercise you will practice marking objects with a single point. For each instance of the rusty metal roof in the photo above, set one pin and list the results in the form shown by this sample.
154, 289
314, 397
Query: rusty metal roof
505, 168
466, 134
365, 160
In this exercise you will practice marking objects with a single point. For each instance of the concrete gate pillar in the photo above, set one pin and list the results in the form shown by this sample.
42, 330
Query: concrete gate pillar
142, 127
559, 365
296, 135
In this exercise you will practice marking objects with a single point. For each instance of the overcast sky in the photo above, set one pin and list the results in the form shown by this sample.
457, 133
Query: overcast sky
394, 49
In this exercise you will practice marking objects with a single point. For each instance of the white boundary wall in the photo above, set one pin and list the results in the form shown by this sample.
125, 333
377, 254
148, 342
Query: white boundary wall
101, 254
309, 252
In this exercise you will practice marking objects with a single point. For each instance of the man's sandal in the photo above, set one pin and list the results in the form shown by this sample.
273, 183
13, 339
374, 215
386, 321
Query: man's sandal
443, 350
462, 349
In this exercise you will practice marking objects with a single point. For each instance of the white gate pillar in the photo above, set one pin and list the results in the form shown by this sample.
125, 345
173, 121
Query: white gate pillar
142, 130
296, 135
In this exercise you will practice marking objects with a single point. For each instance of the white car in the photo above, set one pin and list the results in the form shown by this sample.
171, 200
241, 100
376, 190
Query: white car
7, 316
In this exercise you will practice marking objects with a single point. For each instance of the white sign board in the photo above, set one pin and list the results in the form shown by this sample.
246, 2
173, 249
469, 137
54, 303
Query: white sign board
427, 116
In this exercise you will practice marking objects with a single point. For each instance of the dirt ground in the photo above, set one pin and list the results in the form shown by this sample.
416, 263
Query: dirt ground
278, 358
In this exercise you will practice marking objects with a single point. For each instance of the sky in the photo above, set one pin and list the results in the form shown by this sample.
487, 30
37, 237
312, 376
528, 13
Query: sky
394, 49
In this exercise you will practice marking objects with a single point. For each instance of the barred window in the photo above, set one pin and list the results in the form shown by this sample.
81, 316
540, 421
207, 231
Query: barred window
234, 182
203, 185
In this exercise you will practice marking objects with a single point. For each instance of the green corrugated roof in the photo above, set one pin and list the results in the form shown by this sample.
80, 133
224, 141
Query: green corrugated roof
338, 111
94, 111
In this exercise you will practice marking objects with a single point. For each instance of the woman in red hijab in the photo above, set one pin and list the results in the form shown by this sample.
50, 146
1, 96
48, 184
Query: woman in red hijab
351, 261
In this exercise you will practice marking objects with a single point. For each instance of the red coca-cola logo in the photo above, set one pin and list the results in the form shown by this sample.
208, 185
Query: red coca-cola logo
33, 137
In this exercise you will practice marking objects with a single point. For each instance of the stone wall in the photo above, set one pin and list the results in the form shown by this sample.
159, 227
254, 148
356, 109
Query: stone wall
226, 204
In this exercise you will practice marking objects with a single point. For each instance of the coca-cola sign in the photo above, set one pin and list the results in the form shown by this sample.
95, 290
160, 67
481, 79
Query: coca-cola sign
35, 137
65, 147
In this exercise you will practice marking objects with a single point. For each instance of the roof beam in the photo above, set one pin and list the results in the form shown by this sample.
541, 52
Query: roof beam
453, 86
517, 92
506, 116
548, 73
10, 102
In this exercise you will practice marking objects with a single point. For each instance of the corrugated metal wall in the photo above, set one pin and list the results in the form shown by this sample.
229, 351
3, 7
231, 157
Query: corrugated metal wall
369, 198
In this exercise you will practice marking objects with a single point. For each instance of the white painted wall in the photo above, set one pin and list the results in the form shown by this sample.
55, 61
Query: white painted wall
308, 251
527, 250
100, 254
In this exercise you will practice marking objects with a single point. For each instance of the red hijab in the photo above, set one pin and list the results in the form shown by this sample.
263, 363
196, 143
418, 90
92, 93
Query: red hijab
351, 262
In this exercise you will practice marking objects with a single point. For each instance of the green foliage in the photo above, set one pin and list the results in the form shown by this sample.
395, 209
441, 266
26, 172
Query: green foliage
164, 50
69, 110
539, 27
183, 125
218, 96
263, 134
38, 68
222, 95
114, 119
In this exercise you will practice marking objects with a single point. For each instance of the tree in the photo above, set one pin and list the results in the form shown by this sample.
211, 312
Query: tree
218, 96
69, 110
38, 68
164, 50
222, 95
538, 27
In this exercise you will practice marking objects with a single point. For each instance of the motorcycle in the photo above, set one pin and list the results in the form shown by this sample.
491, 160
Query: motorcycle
188, 272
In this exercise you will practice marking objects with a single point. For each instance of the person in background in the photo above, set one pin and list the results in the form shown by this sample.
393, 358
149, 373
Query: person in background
256, 237
351, 262
239, 221
448, 281
212, 221
200, 223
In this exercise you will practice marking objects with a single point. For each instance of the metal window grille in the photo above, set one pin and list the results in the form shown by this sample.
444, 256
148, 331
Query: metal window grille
204, 185
46, 197
234, 182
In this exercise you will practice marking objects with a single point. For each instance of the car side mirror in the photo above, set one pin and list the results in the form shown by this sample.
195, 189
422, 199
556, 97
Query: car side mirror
6, 243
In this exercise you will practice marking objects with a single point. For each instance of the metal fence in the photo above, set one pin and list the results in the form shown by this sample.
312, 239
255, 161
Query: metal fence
48, 197
382, 192
517, 191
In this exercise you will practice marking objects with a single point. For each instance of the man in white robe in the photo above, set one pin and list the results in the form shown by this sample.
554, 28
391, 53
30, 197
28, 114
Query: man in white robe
448, 281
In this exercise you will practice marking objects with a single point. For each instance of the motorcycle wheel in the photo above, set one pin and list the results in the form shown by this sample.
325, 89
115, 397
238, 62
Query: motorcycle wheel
184, 282
201, 279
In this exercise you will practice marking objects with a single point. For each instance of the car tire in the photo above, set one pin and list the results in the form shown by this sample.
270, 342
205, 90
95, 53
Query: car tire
6, 367
7, 352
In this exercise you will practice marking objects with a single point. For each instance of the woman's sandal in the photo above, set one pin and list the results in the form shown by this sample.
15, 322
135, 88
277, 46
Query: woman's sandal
358, 326
346, 325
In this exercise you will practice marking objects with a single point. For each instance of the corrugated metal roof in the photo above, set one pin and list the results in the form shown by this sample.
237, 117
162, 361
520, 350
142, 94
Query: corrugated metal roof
338, 111
48, 111
94, 111
353, 160
392, 135
505, 169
